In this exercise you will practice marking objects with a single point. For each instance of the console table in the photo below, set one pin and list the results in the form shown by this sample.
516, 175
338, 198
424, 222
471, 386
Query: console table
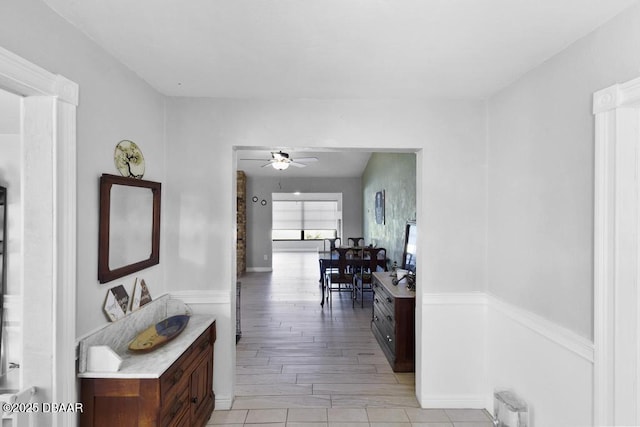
393, 322
169, 386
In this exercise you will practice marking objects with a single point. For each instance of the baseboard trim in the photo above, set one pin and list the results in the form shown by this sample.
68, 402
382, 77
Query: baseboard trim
223, 403
259, 269
454, 402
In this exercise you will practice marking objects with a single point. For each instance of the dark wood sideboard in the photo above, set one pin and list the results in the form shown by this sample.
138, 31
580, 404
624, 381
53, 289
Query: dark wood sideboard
182, 396
393, 321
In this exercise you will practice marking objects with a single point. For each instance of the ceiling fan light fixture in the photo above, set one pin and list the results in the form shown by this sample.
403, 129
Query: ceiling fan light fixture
280, 165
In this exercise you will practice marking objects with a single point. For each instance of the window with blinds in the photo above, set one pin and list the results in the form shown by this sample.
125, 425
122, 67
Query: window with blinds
304, 219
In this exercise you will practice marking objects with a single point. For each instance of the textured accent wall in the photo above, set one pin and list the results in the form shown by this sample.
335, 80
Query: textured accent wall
395, 173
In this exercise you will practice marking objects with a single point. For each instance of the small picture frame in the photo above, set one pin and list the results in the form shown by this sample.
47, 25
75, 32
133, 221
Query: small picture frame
379, 207
116, 303
141, 295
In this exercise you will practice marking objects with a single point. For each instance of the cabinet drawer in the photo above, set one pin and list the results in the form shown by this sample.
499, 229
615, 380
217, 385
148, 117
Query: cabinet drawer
384, 308
386, 343
175, 409
174, 376
383, 298
202, 344
386, 327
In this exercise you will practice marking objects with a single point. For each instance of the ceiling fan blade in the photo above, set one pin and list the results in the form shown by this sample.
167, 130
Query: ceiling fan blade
298, 165
306, 159
267, 164
253, 160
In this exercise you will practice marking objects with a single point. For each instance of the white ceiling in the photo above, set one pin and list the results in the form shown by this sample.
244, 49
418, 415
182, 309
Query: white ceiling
334, 49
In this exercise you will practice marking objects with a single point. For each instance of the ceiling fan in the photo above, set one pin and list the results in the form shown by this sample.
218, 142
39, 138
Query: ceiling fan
281, 161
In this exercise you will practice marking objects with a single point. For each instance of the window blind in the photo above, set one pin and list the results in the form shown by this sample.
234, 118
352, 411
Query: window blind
304, 215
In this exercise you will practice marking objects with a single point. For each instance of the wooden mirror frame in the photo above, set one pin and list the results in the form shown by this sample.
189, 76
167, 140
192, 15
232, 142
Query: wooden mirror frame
105, 274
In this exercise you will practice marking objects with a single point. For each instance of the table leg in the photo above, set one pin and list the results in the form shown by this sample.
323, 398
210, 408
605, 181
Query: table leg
322, 270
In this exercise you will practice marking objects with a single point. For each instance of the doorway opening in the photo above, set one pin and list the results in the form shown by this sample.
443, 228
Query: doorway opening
282, 184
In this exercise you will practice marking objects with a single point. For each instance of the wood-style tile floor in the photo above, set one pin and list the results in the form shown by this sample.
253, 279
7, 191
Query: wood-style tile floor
299, 364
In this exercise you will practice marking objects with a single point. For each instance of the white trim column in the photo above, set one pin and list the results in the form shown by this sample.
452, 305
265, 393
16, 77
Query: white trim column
49, 241
616, 251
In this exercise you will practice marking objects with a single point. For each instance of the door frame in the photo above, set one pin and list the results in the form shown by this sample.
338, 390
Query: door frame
48, 140
616, 254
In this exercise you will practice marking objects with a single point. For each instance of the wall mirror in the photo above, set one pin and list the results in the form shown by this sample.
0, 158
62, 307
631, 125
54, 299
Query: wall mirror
129, 238
409, 255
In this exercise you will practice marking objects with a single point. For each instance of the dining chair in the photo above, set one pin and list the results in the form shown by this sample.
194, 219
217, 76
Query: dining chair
376, 260
355, 241
333, 242
328, 265
340, 279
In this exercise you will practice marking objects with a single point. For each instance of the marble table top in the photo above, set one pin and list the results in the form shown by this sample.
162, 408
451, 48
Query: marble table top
154, 363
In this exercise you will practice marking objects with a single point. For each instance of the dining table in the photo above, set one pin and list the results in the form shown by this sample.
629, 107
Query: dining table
329, 259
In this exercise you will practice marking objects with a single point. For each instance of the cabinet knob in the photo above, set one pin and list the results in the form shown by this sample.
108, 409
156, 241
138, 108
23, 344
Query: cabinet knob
389, 299
389, 338
195, 400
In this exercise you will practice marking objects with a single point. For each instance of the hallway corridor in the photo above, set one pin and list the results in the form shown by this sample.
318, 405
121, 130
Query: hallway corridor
299, 364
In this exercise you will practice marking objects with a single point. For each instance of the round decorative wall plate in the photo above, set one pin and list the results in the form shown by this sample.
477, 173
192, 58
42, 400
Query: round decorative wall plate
129, 159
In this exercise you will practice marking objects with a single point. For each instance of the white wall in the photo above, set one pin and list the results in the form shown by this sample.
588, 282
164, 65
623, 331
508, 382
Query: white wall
540, 221
114, 105
201, 185
541, 157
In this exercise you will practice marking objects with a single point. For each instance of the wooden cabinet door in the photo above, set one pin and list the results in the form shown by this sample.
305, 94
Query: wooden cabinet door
202, 389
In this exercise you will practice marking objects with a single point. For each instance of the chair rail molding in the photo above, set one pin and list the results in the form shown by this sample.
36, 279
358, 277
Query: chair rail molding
497, 338
198, 297
49, 142
616, 250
